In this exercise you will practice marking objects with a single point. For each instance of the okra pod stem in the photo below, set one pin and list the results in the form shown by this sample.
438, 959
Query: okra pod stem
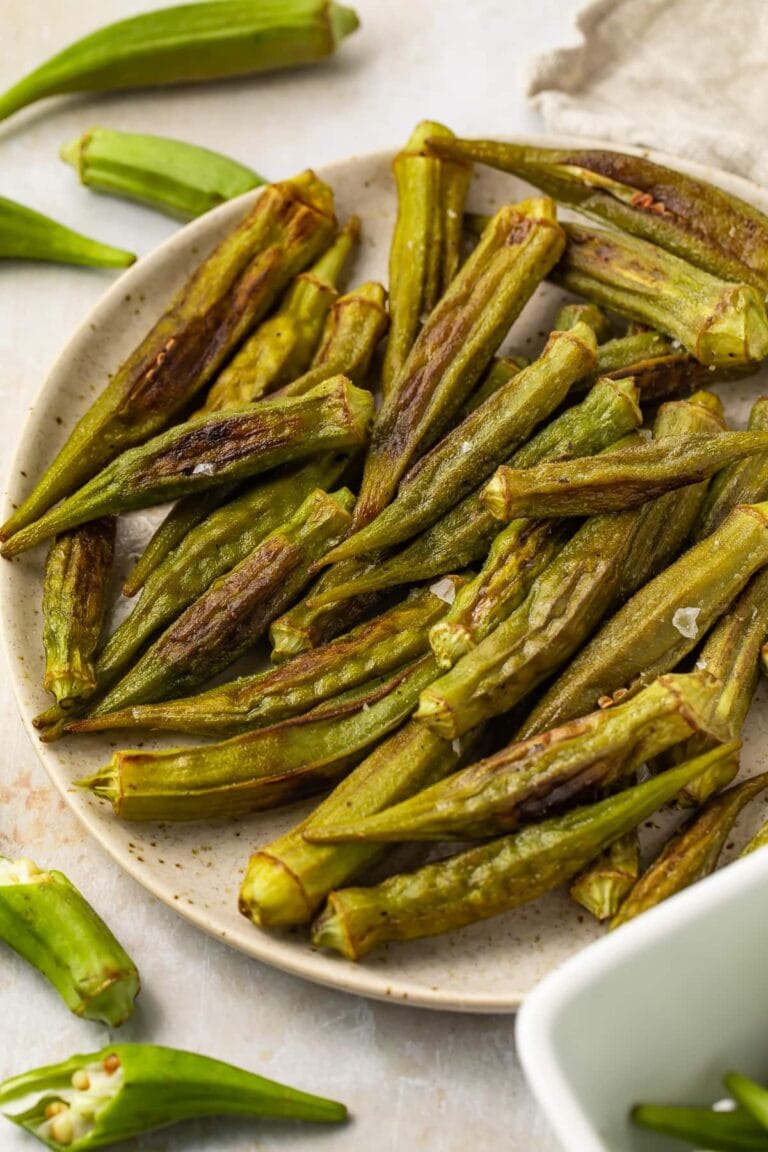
188, 43
456, 344
533, 779
719, 323
493, 877
28, 235
604, 883
236, 610
227, 295
703, 1127
265, 768
617, 480
692, 853
101, 1098
170, 175
48, 922
743, 482
424, 252
470, 451
76, 591
692, 218
209, 450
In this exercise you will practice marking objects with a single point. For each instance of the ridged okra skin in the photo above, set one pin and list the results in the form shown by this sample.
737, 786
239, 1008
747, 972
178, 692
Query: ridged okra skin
49, 923
101, 1098
265, 768
720, 323
691, 853
493, 877
426, 240
173, 176
237, 608
188, 43
230, 291
76, 590
692, 218
456, 344
211, 450
744, 482
28, 235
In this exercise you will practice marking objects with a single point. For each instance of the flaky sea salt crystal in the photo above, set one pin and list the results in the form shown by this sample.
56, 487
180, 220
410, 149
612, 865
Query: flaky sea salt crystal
725, 1105
456, 745
451, 214
444, 590
701, 665
205, 469
466, 446
684, 620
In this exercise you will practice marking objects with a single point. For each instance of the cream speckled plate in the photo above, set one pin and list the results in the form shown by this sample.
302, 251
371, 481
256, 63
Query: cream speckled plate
196, 868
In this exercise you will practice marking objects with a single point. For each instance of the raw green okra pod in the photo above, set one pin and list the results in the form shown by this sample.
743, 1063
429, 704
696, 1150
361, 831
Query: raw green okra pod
353, 329
744, 482
617, 480
703, 1127
662, 622
456, 345
604, 883
287, 881
226, 296
533, 779
28, 235
719, 323
750, 1096
181, 179
692, 218
372, 649
265, 768
426, 240
282, 346
211, 450
236, 610
691, 853
76, 590
493, 877
188, 43
465, 533
45, 919
102, 1098
471, 450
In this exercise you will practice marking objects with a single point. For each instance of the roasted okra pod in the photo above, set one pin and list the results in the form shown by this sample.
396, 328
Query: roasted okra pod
744, 482
44, 918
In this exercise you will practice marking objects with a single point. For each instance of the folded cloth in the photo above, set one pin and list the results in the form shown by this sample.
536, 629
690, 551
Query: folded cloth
686, 76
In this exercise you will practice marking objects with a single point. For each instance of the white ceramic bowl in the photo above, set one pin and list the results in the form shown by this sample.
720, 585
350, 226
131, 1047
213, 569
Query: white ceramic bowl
656, 1012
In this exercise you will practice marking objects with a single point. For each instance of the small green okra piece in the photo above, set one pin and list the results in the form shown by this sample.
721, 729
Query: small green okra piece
76, 589
617, 480
492, 877
101, 1098
282, 346
660, 367
49, 923
465, 533
236, 610
188, 43
210, 450
604, 883
743, 482
532, 779
374, 648
29, 235
265, 768
426, 240
734, 1131
173, 176
471, 450
231, 290
694, 219
759, 840
693, 852
662, 622
749, 1095
580, 312
287, 881
456, 344
719, 323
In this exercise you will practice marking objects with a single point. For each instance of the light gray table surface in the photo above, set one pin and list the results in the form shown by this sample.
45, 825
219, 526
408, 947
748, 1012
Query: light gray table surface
412, 1079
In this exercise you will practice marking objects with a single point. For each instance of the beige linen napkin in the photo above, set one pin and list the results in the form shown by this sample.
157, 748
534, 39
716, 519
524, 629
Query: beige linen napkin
686, 76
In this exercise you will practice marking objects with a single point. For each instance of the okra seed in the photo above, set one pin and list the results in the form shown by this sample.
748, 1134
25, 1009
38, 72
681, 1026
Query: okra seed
63, 1128
111, 1063
81, 1080
54, 1108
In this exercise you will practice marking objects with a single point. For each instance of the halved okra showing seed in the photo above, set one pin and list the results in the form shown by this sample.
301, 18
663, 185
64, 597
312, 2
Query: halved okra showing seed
492, 877
49, 923
76, 588
231, 290
212, 450
101, 1098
